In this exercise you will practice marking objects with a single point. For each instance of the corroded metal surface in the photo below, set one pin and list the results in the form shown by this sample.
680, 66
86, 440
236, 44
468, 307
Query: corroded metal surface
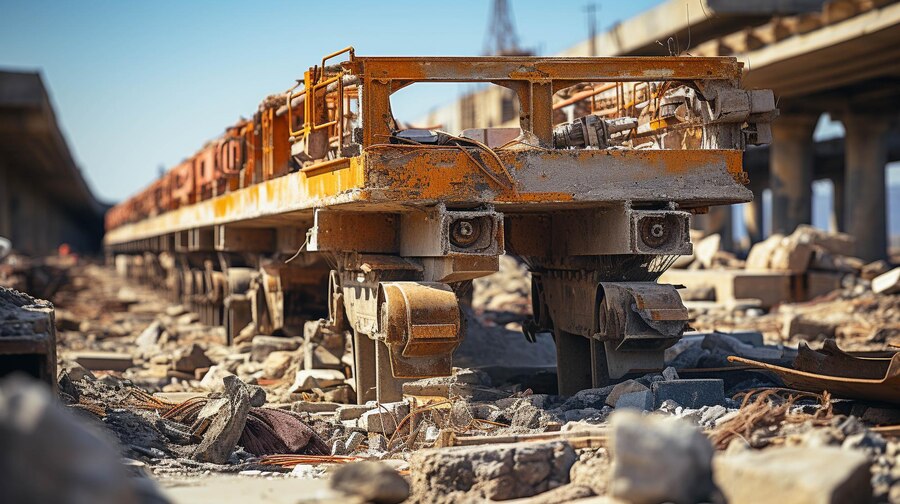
838, 373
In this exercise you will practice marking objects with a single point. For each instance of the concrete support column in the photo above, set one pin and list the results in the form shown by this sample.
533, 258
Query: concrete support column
716, 221
837, 208
865, 203
753, 211
790, 168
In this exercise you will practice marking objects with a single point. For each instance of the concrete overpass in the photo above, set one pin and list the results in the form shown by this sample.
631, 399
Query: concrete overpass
44, 200
840, 57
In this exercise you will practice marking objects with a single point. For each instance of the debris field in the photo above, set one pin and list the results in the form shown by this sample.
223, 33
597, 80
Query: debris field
727, 419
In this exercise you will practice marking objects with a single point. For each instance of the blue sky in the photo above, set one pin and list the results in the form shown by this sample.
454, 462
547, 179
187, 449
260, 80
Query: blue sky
140, 84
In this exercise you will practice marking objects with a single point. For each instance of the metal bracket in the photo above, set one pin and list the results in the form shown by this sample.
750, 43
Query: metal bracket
420, 323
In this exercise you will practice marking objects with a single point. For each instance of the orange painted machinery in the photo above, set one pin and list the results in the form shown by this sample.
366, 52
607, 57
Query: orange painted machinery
325, 216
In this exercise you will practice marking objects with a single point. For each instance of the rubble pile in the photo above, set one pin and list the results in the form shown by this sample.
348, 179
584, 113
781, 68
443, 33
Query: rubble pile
806, 286
180, 403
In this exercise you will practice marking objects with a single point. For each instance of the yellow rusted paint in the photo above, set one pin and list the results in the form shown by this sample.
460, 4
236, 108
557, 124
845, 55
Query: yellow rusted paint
400, 175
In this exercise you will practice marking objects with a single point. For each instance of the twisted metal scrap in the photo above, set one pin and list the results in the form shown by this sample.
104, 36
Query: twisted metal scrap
763, 408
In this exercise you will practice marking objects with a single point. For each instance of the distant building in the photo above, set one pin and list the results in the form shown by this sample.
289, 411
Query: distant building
44, 200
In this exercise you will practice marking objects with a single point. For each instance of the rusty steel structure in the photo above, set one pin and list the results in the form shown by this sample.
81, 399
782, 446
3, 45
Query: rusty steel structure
323, 215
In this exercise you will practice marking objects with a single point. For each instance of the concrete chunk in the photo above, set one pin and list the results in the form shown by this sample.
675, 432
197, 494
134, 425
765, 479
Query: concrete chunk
308, 379
642, 400
658, 459
351, 411
103, 361
490, 472
384, 419
690, 393
626, 387
371, 482
887, 283
795, 475
262, 346
227, 415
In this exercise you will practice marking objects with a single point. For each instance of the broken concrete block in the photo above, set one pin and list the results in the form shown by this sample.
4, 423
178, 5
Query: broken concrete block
658, 459
384, 418
190, 359
641, 400
214, 379
625, 387
103, 361
732, 286
690, 393
339, 394
670, 373
797, 326
795, 475
874, 269
760, 256
314, 407
819, 283
791, 255
150, 336
371, 482
320, 357
351, 411
277, 363
27, 336
887, 283
52, 454
837, 243
463, 383
175, 310
262, 346
227, 416
490, 472
705, 249
187, 319
308, 379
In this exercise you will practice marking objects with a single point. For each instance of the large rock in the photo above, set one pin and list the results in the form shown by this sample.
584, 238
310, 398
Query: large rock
309, 379
191, 359
490, 472
887, 283
620, 389
794, 475
262, 346
214, 379
227, 416
277, 363
658, 459
385, 418
372, 482
51, 454
149, 337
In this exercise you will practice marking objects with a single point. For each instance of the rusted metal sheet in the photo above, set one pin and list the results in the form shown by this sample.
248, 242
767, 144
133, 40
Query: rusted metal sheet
839, 373
393, 175
490, 69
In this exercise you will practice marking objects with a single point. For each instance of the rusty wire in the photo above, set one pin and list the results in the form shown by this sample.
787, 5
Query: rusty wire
770, 407
293, 460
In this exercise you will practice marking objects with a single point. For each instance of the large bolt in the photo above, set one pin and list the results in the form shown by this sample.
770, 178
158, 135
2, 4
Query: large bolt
654, 231
464, 233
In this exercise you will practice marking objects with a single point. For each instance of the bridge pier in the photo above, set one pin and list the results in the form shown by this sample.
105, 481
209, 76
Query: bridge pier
790, 169
865, 201
753, 211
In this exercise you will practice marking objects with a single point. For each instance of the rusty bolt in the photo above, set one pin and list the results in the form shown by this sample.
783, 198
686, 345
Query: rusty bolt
464, 233
655, 231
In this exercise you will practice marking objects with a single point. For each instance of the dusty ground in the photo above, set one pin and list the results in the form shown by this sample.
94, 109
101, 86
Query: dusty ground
168, 399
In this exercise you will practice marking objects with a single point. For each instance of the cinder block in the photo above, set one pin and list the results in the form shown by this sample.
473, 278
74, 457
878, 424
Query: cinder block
690, 393
642, 400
